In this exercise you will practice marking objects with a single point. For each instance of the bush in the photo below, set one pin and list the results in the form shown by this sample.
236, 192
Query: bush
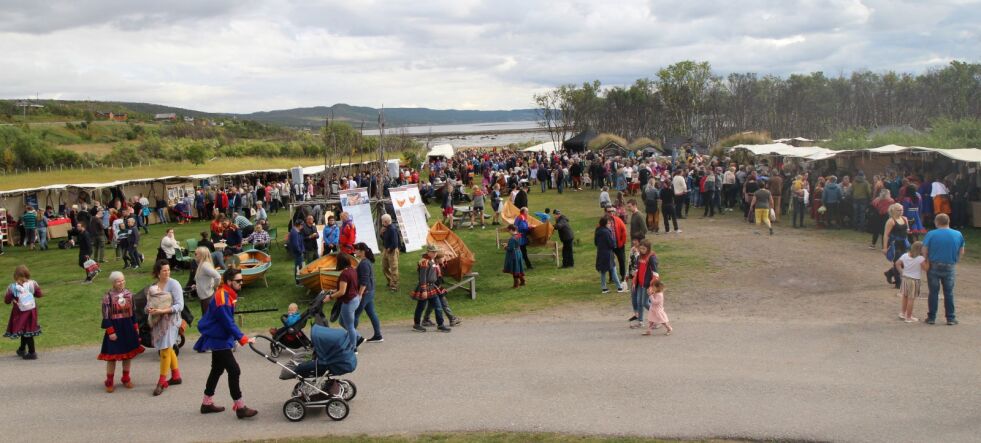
745, 138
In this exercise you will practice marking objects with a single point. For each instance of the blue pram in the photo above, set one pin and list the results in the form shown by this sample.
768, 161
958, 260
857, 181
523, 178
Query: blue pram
316, 387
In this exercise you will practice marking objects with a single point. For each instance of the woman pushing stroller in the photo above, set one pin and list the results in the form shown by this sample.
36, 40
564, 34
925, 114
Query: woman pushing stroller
218, 335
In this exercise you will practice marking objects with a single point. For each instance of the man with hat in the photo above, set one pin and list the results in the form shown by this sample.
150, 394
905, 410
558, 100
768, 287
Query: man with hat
566, 235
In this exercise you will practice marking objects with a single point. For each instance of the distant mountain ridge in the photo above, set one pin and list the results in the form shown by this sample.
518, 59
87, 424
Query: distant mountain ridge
307, 117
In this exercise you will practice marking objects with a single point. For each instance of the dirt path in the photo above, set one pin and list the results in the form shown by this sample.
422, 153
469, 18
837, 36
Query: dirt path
807, 350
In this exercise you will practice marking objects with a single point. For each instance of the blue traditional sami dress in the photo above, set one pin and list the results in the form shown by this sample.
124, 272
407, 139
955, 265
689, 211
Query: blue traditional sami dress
912, 213
513, 261
119, 318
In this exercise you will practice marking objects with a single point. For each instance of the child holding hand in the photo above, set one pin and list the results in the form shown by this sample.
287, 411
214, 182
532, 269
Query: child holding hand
656, 315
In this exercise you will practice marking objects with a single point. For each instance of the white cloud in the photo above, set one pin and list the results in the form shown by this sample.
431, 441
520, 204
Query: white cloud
242, 56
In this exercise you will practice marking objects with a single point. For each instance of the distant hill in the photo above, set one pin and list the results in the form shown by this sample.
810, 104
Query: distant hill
297, 117
394, 117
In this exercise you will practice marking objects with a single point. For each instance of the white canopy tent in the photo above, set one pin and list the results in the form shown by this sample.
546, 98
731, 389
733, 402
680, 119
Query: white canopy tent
547, 147
444, 150
785, 150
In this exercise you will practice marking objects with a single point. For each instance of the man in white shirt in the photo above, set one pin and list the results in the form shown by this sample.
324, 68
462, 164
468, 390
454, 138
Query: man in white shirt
941, 197
680, 188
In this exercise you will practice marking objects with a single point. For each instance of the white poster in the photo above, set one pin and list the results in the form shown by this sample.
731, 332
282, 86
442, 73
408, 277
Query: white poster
356, 203
411, 215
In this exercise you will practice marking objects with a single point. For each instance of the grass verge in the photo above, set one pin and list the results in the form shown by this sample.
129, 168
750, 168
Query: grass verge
69, 312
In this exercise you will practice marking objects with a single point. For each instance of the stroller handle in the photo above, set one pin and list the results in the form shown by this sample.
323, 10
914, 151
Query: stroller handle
263, 354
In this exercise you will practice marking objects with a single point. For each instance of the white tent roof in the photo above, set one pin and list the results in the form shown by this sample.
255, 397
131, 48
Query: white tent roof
444, 150
781, 149
547, 147
968, 155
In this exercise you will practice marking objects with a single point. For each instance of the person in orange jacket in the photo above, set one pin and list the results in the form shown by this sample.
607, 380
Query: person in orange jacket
619, 229
348, 234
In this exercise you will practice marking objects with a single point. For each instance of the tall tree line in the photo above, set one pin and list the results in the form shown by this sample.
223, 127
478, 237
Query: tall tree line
688, 99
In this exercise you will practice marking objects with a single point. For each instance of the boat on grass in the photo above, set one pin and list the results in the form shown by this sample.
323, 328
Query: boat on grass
459, 258
321, 274
254, 265
540, 231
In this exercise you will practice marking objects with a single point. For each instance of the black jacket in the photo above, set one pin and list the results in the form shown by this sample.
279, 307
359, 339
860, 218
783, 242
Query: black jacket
521, 200
565, 230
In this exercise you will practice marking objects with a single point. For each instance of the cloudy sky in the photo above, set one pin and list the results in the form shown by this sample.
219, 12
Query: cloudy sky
250, 55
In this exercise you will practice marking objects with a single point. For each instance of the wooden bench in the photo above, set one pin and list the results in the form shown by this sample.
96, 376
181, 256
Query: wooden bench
470, 281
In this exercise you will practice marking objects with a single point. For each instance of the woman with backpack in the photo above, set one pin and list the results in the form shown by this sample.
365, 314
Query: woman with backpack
23, 325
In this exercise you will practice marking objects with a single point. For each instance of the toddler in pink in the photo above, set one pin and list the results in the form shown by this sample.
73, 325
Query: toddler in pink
656, 315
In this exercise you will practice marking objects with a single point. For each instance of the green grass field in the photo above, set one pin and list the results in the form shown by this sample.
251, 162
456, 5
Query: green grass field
70, 312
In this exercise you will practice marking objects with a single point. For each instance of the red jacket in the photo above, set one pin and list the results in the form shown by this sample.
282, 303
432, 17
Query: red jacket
619, 231
347, 238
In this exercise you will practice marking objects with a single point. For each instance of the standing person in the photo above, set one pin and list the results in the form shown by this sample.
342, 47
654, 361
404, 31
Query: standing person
97, 233
651, 196
680, 187
121, 341
668, 210
131, 254
861, 193
896, 235
347, 295
23, 294
831, 199
29, 223
943, 247
762, 203
645, 275
567, 236
513, 260
348, 235
84, 243
619, 229
604, 198
657, 316
521, 224
910, 266
391, 238
521, 198
638, 226
331, 234
164, 303
366, 290
310, 236
880, 213
427, 291
775, 185
477, 207
219, 333
446, 203
605, 244
206, 277
496, 204
799, 192
294, 244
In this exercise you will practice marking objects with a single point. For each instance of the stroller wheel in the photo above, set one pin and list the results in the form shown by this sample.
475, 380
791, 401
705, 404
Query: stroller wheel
274, 350
350, 390
337, 409
294, 410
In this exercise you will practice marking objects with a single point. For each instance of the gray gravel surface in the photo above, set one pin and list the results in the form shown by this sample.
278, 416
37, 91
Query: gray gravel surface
578, 372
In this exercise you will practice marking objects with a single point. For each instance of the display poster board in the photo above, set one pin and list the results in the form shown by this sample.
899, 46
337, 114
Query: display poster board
178, 192
356, 203
411, 215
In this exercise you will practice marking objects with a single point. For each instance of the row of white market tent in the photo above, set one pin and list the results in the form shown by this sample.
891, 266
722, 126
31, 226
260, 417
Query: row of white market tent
814, 153
168, 188
447, 150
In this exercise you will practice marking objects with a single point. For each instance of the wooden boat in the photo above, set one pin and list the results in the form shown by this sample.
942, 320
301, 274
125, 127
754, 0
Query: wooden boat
540, 231
321, 274
254, 265
459, 258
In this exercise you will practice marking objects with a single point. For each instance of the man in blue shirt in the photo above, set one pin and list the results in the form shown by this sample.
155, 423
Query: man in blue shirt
831, 199
295, 246
943, 248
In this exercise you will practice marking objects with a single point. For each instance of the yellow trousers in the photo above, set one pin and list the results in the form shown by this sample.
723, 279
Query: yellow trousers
763, 215
168, 361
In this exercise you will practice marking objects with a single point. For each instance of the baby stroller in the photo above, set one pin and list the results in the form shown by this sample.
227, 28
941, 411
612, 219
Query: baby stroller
316, 386
139, 304
292, 337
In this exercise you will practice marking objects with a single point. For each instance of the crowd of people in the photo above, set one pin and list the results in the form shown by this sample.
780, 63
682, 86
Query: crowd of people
896, 208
